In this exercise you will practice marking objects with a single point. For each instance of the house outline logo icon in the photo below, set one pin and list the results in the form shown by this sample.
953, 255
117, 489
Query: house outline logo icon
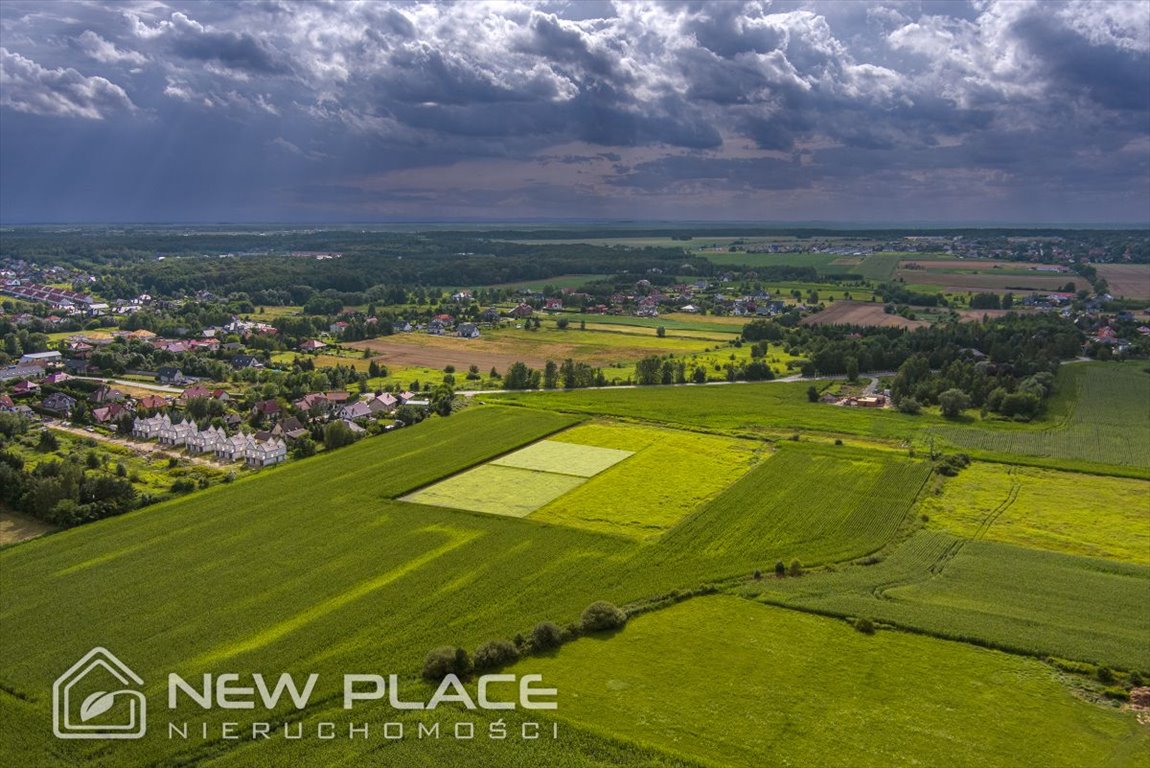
99, 702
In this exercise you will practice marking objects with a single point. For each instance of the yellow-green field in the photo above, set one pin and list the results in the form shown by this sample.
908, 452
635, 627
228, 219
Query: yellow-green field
1047, 509
753, 684
565, 458
671, 474
496, 490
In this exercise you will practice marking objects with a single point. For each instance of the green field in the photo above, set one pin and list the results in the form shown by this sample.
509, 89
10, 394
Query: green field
727, 682
567, 458
1023, 600
319, 567
1101, 414
497, 490
1061, 511
670, 474
262, 575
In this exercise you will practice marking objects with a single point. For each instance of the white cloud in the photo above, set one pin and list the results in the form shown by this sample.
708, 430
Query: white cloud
25, 86
106, 52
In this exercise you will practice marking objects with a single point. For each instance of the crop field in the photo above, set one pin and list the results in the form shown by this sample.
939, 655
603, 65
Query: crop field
961, 281
771, 408
1131, 281
880, 266
752, 680
255, 576
1023, 600
825, 263
860, 313
1102, 418
1060, 511
497, 490
670, 474
565, 458
862, 498
502, 347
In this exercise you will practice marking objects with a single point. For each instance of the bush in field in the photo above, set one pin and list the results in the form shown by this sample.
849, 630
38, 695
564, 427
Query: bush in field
446, 660
601, 615
546, 635
495, 654
780, 568
910, 405
796, 568
864, 625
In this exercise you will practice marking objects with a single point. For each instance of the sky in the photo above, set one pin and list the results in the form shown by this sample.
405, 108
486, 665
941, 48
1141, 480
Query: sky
301, 112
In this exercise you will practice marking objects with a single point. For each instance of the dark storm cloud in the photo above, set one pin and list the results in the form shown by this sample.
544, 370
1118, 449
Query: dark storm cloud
302, 108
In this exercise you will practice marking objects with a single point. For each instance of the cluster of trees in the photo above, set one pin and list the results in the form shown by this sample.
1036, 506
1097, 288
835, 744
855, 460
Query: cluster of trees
961, 384
600, 616
991, 301
567, 375
62, 492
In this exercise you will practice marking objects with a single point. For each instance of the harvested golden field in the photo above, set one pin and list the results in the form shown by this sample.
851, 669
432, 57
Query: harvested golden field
1131, 281
988, 281
860, 313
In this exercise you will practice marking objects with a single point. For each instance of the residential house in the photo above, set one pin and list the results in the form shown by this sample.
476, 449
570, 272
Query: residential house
401, 327
337, 328
312, 345
267, 453
106, 394
171, 375
56, 378
177, 434
58, 402
150, 428
25, 388
240, 362
6, 404
106, 414
291, 428
521, 311
268, 408
553, 304
206, 441
468, 330
359, 410
195, 392
235, 448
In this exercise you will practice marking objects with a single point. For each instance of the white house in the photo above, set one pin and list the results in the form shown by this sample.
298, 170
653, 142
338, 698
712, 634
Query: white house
207, 441
150, 428
267, 453
178, 434
235, 448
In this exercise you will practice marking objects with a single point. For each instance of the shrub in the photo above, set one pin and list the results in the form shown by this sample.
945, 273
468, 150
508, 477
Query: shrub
796, 568
446, 660
780, 568
495, 654
546, 635
757, 574
1105, 675
864, 625
910, 405
48, 442
1117, 694
601, 615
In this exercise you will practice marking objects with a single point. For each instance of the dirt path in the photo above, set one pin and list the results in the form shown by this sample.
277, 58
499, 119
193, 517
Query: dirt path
138, 447
16, 527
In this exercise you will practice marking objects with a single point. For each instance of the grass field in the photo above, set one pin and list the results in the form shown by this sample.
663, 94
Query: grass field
497, 490
1059, 511
771, 408
1023, 600
994, 281
566, 458
670, 474
751, 681
1100, 415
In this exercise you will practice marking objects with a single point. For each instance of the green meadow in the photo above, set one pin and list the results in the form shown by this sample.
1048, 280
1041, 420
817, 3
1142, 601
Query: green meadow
748, 684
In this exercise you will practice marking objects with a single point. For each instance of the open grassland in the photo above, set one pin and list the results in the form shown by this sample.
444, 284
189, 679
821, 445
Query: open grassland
1018, 599
317, 569
497, 490
1060, 511
1101, 414
825, 263
558, 281
770, 408
720, 325
1130, 281
727, 682
670, 474
860, 313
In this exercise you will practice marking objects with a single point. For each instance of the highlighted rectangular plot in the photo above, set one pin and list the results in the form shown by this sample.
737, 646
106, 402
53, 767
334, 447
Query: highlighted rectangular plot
497, 490
563, 458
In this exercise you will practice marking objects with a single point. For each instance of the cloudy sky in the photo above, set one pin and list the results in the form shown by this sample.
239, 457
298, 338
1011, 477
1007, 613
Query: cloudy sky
771, 111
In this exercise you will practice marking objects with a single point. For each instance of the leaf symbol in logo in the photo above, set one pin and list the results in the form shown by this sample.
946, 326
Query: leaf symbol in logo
97, 704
